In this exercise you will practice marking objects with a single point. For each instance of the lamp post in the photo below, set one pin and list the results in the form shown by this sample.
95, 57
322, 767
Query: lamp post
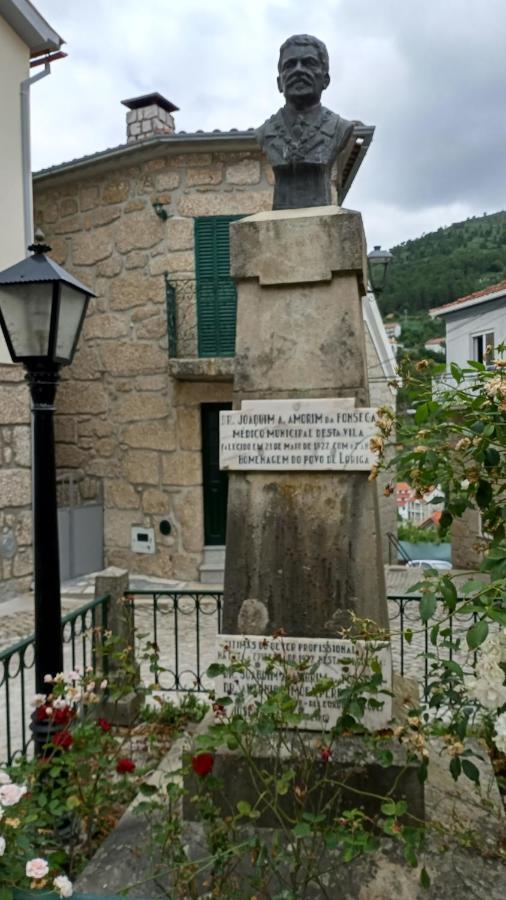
379, 261
42, 308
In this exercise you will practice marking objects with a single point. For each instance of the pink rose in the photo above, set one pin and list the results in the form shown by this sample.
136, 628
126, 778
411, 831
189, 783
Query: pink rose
36, 868
10, 794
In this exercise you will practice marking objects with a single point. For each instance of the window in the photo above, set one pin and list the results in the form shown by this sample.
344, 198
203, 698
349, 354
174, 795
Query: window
216, 291
482, 347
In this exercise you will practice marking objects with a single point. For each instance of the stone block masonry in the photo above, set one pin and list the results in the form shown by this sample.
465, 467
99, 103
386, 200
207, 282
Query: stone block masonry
15, 483
123, 422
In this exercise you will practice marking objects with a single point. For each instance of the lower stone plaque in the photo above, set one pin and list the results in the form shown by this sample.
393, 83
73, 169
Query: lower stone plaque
316, 663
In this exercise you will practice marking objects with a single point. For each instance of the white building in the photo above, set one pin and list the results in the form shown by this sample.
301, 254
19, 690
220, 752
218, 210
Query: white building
475, 324
436, 345
27, 43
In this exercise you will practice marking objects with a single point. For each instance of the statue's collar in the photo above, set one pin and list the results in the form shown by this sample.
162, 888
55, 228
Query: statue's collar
311, 114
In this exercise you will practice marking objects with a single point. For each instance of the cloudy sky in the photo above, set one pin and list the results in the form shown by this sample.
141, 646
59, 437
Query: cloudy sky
430, 74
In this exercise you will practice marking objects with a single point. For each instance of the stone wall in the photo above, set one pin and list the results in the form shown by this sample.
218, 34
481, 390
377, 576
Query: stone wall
467, 541
122, 421
15, 483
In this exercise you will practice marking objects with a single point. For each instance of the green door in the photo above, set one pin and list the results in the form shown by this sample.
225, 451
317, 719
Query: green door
215, 482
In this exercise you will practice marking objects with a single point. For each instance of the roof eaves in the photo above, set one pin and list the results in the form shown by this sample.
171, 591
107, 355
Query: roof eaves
30, 26
178, 140
457, 305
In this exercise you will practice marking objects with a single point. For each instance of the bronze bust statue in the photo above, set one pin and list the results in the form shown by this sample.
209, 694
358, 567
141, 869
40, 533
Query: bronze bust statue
303, 139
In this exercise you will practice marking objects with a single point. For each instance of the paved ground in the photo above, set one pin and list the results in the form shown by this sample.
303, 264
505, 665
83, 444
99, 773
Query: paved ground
185, 636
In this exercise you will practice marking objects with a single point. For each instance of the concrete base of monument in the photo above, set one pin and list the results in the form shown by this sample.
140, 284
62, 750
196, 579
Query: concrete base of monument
462, 851
351, 778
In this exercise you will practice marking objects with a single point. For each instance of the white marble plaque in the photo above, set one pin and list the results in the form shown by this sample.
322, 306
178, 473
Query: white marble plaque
297, 434
328, 658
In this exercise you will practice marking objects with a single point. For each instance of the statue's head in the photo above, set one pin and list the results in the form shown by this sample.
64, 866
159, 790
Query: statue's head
303, 69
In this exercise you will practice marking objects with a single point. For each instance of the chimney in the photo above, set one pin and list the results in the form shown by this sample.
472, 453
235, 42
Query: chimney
148, 117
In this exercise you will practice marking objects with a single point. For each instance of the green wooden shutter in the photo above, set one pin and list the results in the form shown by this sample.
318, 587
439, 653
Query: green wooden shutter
216, 292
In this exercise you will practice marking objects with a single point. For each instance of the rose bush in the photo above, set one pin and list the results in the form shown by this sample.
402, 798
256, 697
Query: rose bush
457, 443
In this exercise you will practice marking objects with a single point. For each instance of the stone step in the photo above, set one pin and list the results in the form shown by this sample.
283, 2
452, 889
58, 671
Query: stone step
213, 565
214, 554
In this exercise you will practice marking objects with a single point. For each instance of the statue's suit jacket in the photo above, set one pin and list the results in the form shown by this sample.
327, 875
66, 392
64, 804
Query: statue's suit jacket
315, 138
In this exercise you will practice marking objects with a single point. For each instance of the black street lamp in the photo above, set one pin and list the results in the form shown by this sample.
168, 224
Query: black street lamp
42, 308
379, 261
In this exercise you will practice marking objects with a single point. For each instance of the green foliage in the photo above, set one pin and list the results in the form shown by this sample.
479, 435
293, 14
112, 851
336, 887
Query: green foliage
162, 711
448, 263
319, 818
408, 531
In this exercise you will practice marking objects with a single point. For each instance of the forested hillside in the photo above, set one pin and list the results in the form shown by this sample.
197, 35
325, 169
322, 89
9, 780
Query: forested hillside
446, 264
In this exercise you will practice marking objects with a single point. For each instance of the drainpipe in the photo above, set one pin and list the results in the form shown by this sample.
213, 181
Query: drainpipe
26, 154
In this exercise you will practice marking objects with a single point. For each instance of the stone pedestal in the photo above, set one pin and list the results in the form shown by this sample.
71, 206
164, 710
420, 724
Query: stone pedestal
124, 708
303, 548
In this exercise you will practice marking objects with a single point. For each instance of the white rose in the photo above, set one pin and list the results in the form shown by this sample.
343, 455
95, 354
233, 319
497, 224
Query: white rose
63, 886
489, 670
36, 868
38, 700
500, 725
4, 778
10, 794
60, 703
465, 484
490, 695
500, 733
2, 846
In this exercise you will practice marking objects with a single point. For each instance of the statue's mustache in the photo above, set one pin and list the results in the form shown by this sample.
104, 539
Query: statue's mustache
296, 79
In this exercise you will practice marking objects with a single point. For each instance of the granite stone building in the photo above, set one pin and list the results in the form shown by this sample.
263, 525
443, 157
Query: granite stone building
145, 225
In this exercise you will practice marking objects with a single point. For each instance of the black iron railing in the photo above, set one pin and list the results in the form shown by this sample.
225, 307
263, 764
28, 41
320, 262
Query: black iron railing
178, 629
80, 633
176, 642
181, 316
176, 636
412, 647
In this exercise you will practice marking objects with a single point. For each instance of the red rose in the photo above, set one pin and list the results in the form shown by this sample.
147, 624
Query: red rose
61, 716
202, 764
63, 739
325, 754
125, 765
40, 713
104, 724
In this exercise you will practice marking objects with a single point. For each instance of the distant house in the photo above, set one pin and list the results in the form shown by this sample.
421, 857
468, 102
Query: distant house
26, 43
393, 329
475, 324
433, 520
436, 345
413, 508
393, 332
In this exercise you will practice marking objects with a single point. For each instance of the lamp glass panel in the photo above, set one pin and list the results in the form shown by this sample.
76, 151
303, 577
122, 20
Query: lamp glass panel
26, 311
72, 304
377, 271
